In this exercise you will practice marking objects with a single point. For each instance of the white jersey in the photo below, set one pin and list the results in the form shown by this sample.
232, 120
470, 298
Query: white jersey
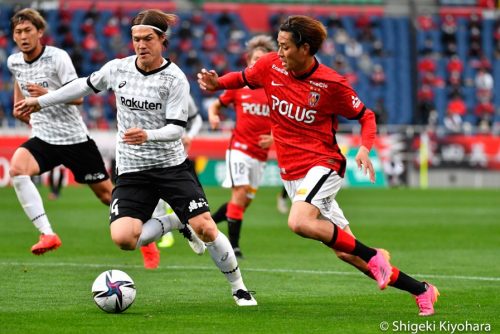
146, 100
60, 124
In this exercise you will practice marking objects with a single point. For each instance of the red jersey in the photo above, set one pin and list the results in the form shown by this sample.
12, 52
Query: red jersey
252, 120
304, 114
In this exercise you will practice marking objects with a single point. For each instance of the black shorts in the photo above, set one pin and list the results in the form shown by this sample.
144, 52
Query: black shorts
137, 194
83, 159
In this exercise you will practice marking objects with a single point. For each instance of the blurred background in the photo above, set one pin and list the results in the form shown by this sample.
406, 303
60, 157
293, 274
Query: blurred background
429, 69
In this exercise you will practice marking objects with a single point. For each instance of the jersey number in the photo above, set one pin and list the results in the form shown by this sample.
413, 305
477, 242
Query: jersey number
114, 207
238, 168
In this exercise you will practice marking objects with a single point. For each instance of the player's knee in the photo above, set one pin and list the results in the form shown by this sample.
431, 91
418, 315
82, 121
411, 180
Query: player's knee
123, 241
204, 226
105, 197
296, 224
15, 170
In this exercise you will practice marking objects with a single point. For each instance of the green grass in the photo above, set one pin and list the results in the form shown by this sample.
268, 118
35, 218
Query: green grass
449, 237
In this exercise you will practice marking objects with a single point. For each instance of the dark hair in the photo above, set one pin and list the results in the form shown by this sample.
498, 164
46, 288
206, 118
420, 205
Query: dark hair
158, 19
28, 14
305, 29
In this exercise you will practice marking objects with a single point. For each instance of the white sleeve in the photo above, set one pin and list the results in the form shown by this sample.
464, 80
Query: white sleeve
74, 90
195, 126
177, 102
195, 121
169, 132
65, 68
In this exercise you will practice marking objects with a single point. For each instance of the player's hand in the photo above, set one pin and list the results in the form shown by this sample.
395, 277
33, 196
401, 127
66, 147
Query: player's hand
214, 121
265, 141
135, 136
364, 163
25, 107
36, 90
186, 141
208, 80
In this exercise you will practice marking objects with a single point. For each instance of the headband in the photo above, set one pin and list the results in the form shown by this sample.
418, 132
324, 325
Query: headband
148, 26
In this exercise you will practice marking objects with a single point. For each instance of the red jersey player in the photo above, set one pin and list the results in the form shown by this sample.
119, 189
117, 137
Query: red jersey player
305, 99
249, 145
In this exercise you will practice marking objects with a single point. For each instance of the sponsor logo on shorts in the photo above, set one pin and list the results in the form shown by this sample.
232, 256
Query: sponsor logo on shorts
301, 191
94, 176
194, 205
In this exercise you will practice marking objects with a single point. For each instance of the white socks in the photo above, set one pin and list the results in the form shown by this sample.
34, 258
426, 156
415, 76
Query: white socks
31, 201
156, 227
223, 255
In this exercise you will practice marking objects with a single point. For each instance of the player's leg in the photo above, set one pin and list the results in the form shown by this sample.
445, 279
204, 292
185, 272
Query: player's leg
222, 254
282, 201
188, 200
318, 190
425, 294
161, 209
235, 212
23, 165
87, 165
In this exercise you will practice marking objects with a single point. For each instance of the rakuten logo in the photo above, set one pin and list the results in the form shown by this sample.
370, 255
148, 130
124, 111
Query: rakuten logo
255, 109
297, 113
139, 105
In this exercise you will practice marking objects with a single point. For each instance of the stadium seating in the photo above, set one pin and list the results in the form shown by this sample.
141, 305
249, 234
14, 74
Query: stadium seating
396, 57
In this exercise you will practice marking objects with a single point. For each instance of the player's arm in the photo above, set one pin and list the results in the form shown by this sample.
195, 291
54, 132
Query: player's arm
214, 111
368, 133
18, 96
209, 80
37, 90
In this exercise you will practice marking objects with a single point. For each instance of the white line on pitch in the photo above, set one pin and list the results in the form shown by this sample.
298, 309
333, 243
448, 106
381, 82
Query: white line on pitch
291, 271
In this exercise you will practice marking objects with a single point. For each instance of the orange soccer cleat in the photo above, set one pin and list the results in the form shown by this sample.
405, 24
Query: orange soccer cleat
46, 243
151, 255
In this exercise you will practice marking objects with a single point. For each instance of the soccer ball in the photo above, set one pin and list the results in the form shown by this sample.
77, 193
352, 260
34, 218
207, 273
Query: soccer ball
113, 291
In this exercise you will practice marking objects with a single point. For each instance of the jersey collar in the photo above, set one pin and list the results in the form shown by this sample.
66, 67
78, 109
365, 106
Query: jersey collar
159, 69
37, 57
309, 73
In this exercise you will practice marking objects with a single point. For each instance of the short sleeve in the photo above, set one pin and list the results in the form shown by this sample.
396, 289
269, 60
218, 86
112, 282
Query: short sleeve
101, 79
65, 68
177, 102
347, 102
228, 97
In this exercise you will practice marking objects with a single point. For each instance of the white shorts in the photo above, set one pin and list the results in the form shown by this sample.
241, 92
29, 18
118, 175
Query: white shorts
243, 170
319, 188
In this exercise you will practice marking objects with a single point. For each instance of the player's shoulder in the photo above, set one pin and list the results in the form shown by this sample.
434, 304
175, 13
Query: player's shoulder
328, 75
15, 58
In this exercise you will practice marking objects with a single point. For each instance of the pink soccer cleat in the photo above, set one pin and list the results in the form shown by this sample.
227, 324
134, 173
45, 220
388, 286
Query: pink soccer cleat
46, 243
380, 268
425, 301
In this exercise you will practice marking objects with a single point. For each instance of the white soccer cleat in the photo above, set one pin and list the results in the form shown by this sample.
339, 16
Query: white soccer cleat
196, 244
244, 298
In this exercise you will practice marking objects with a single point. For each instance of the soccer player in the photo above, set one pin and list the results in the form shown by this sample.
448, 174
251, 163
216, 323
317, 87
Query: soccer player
306, 97
59, 135
249, 145
152, 101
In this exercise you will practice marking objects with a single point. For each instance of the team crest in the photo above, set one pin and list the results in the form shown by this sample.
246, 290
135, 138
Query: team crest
313, 99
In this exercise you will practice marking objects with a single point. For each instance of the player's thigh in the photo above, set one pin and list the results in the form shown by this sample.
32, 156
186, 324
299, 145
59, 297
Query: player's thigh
133, 197
319, 188
85, 161
126, 231
180, 188
33, 157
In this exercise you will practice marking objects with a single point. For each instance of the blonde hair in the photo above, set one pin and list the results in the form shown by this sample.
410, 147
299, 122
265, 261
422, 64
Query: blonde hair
264, 43
28, 14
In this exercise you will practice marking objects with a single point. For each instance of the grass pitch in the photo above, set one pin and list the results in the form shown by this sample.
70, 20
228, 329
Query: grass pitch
448, 237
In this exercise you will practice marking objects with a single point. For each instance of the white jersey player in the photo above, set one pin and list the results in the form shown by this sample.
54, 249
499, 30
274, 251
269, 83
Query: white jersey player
152, 110
59, 135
